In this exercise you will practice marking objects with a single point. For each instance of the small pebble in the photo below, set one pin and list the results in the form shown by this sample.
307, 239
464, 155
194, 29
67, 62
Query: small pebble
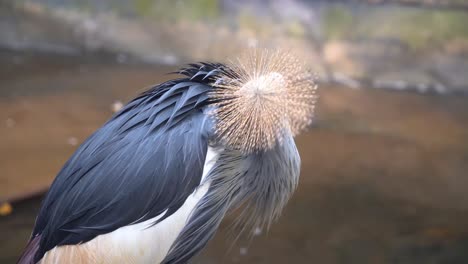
243, 251
257, 231
116, 106
5, 209
170, 59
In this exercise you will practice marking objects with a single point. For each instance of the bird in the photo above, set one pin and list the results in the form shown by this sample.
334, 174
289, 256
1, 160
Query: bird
153, 184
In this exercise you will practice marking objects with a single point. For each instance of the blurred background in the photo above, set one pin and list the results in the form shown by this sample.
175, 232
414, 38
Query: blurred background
385, 169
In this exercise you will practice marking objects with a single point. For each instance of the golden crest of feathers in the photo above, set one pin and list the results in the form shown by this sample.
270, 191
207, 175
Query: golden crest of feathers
262, 97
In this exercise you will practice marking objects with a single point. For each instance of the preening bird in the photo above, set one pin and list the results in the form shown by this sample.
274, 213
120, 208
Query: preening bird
153, 183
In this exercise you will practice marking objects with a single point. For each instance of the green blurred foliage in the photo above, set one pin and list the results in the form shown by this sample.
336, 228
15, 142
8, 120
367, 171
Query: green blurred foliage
337, 22
296, 29
417, 28
178, 9
143, 7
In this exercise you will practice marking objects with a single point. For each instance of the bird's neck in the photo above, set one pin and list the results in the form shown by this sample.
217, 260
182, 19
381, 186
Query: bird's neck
259, 183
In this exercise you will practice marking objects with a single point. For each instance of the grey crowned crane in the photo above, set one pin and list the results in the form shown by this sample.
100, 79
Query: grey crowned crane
153, 183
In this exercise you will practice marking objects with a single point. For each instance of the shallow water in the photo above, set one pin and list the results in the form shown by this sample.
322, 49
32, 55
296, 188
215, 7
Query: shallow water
383, 176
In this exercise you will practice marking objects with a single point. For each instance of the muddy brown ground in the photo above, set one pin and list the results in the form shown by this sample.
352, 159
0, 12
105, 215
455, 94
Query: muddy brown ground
384, 174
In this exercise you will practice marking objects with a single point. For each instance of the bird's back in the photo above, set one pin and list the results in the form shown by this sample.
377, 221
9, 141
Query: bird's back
135, 171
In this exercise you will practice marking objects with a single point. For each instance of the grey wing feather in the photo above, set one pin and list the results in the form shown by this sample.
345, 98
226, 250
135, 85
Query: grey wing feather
145, 161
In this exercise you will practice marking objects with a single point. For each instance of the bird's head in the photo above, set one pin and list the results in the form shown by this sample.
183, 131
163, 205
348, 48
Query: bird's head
260, 99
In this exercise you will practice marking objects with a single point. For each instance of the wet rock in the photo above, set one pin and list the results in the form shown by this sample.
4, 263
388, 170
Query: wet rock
408, 79
452, 70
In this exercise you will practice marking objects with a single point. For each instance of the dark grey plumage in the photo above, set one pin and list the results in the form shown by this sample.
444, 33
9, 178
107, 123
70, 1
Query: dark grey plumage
147, 159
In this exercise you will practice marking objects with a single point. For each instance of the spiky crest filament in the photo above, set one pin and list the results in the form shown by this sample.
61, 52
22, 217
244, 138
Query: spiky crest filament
262, 96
